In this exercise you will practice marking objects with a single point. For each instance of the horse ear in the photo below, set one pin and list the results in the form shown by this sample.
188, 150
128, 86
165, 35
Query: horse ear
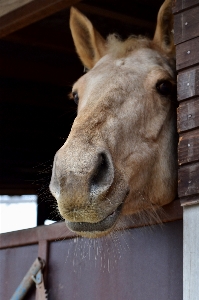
90, 45
164, 30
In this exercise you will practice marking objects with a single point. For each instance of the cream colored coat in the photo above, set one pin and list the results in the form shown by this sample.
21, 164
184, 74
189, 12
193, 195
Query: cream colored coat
120, 156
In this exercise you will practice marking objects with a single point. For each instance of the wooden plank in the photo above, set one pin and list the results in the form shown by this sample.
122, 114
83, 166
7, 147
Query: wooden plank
59, 231
188, 115
6, 6
187, 54
180, 5
188, 84
21, 15
188, 147
188, 180
186, 25
191, 200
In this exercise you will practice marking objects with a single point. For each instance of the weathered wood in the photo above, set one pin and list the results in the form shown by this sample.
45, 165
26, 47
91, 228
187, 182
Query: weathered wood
186, 25
188, 180
188, 84
188, 115
187, 54
188, 147
183, 4
7, 6
191, 200
22, 13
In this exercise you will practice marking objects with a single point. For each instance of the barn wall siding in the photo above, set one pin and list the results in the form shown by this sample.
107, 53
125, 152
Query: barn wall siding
186, 25
188, 115
188, 86
184, 4
186, 36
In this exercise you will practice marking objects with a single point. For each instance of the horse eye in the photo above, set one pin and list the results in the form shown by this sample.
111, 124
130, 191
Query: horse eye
75, 97
164, 88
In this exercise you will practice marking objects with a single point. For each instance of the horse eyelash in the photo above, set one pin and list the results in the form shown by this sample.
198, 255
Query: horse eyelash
70, 96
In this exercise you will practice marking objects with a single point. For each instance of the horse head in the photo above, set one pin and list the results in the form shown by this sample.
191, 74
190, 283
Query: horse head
120, 156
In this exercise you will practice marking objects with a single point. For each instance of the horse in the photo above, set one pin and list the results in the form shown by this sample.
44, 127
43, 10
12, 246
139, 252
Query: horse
120, 156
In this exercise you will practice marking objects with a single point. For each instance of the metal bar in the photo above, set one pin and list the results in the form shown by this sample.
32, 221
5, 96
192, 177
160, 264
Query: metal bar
191, 252
27, 281
43, 253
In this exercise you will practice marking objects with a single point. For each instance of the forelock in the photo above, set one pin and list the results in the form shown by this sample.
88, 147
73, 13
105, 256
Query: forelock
121, 48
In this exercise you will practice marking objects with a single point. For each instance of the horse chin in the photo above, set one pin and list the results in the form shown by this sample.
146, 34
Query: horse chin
99, 229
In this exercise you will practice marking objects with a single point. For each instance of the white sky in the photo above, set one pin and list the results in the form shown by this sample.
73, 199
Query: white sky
17, 212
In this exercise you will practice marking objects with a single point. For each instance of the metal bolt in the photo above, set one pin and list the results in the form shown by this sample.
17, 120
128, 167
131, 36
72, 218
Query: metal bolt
189, 181
186, 23
189, 145
188, 52
189, 116
188, 84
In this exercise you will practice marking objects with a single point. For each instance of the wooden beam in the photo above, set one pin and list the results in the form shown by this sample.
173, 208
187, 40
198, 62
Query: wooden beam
16, 14
6, 6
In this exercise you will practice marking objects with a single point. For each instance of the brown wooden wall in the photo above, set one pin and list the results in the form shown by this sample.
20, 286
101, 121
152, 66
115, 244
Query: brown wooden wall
186, 35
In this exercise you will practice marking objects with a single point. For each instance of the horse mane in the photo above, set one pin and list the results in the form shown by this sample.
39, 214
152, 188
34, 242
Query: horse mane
122, 48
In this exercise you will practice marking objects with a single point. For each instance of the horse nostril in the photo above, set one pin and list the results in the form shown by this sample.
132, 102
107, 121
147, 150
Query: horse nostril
100, 171
102, 177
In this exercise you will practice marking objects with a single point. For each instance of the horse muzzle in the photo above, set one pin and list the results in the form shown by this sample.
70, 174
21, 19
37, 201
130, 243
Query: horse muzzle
89, 191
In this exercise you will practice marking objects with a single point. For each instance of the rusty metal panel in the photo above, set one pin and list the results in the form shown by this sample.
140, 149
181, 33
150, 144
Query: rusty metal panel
141, 263
171, 212
14, 264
